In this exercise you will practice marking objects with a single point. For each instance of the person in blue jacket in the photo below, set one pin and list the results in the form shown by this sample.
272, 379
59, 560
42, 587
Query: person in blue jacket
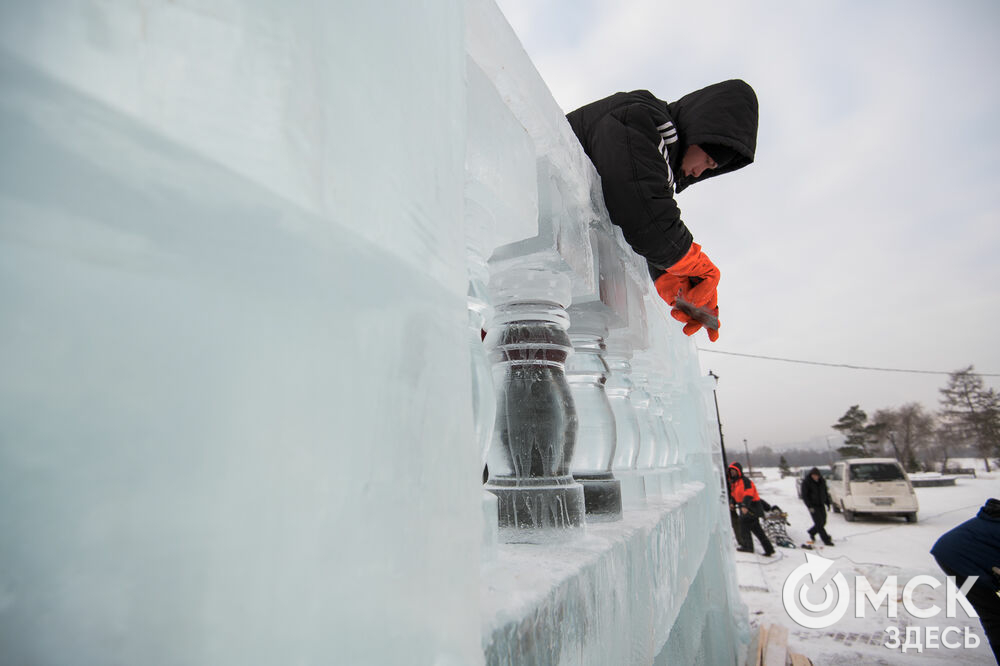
973, 549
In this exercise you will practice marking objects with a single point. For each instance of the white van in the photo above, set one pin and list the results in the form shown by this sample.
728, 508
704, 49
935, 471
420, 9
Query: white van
872, 485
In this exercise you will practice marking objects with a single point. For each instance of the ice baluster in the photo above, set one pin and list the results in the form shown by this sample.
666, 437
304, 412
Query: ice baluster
536, 422
667, 444
587, 373
618, 389
670, 422
686, 434
645, 462
662, 448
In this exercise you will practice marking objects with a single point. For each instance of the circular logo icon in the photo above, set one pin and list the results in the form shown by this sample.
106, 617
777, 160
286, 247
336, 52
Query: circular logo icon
795, 591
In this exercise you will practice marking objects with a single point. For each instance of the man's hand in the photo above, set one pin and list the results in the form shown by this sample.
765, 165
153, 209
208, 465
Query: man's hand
695, 280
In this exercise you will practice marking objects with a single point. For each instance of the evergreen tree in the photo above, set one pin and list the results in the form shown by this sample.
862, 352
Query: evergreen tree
784, 468
853, 425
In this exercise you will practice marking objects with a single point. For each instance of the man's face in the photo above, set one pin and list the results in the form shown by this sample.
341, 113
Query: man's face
815, 476
696, 161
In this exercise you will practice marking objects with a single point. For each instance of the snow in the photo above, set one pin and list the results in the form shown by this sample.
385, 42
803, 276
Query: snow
874, 548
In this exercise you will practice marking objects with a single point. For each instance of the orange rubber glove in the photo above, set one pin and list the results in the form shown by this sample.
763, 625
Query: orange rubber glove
695, 279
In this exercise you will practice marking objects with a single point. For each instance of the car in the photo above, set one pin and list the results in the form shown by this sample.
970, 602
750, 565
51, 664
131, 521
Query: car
825, 470
877, 486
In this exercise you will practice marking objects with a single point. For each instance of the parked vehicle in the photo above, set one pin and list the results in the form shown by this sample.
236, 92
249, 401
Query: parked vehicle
872, 486
825, 470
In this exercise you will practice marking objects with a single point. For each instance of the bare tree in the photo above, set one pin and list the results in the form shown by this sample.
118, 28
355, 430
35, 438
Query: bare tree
947, 438
915, 431
905, 431
971, 411
881, 431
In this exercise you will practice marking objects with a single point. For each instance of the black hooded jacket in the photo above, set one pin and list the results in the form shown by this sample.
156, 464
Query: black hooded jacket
637, 143
814, 493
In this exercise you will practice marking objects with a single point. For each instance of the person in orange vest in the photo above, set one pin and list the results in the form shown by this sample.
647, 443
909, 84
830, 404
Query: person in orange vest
747, 501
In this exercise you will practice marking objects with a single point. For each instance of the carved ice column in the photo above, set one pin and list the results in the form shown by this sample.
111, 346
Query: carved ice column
675, 461
668, 453
659, 430
652, 437
618, 389
587, 373
536, 421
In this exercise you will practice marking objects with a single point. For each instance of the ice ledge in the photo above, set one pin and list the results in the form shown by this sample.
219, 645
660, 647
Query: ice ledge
611, 597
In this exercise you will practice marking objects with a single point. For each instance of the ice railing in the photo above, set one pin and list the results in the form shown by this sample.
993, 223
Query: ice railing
596, 402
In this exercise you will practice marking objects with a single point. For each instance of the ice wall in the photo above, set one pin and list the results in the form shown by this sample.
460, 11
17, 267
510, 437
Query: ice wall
232, 286
245, 253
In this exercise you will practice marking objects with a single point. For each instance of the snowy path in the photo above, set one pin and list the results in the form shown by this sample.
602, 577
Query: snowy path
874, 548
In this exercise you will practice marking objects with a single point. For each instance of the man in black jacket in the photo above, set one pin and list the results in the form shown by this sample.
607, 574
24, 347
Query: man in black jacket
817, 500
645, 149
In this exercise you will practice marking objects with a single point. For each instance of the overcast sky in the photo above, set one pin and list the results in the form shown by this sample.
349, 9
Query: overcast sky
868, 229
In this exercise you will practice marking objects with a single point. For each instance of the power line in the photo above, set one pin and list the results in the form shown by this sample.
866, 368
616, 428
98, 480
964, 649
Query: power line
841, 365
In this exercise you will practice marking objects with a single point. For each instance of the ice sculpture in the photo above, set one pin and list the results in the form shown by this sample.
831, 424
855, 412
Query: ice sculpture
596, 436
650, 430
618, 389
536, 419
247, 254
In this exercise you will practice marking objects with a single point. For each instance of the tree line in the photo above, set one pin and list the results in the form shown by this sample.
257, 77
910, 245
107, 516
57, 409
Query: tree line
968, 419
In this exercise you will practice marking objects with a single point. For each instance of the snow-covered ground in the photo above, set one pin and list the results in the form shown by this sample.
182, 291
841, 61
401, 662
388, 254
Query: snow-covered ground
875, 548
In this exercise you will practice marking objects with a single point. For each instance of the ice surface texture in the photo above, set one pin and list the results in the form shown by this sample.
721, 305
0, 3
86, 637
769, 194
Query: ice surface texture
244, 249
232, 286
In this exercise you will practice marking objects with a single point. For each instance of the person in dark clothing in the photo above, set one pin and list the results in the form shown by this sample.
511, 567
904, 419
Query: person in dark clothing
645, 150
817, 500
973, 549
747, 502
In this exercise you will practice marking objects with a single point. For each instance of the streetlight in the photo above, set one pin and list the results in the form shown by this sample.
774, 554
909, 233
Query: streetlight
725, 461
747, 449
718, 419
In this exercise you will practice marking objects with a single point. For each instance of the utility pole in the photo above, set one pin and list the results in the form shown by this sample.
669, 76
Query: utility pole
829, 451
747, 449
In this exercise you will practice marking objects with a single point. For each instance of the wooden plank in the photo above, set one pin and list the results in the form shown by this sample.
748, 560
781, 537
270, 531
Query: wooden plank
799, 660
758, 653
776, 651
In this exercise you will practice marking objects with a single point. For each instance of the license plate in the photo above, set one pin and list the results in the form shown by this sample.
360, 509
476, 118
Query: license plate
882, 501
